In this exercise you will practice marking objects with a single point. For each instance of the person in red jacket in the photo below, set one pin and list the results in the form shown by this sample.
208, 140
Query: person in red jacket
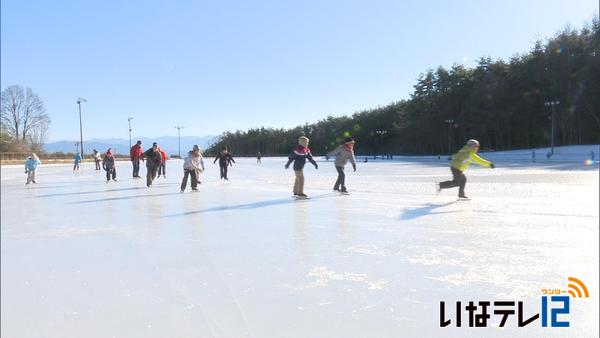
136, 156
162, 169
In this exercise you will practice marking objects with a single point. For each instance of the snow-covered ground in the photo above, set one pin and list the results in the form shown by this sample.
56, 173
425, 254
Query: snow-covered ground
81, 258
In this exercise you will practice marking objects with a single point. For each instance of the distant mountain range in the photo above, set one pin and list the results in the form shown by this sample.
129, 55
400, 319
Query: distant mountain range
121, 146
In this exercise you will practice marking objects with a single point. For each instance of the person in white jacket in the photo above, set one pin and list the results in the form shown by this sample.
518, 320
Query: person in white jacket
343, 153
193, 165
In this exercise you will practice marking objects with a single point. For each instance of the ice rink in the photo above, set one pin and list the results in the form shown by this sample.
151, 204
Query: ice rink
242, 258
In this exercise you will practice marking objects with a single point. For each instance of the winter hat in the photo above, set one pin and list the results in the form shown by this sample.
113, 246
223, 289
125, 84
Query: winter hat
348, 140
109, 151
154, 144
138, 142
303, 141
473, 143
195, 148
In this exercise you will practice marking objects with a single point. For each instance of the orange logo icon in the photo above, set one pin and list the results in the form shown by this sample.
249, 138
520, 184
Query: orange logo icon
577, 289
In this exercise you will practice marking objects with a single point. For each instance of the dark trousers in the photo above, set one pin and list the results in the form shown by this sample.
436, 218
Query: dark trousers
111, 172
186, 173
458, 180
136, 167
162, 169
97, 164
341, 180
150, 175
223, 171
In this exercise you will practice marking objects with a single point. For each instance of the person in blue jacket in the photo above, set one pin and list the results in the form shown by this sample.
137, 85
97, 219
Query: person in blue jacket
31, 165
77, 159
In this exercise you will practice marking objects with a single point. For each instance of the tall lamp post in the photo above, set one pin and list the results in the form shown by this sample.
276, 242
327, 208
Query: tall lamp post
79, 101
450, 122
129, 120
551, 104
381, 133
179, 140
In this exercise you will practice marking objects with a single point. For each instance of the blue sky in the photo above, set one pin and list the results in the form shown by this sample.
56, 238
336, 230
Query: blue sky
227, 65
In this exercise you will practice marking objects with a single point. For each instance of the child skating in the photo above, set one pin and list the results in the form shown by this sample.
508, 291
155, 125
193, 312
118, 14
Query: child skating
162, 169
460, 162
108, 164
77, 160
196, 149
31, 165
192, 166
343, 153
299, 156
225, 160
97, 159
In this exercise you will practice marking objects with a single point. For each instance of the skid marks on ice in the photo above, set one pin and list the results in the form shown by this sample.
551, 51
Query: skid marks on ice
322, 277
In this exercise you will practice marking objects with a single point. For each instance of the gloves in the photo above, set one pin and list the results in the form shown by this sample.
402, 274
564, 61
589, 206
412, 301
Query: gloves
26, 171
492, 166
316, 166
287, 166
354, 167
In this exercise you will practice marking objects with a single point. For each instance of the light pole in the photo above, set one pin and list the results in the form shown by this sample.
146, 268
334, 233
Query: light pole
179, 140
79, 101
381, 133
551, 104
129, 120
450, 122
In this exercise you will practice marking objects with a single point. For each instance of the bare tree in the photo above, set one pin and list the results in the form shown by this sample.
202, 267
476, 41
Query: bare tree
11, 107
24, 115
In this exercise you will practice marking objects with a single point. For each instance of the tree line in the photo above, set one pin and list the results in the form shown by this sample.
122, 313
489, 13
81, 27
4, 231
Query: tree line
504, 104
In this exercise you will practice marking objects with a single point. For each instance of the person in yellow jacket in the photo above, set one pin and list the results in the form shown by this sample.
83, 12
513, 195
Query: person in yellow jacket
460, 162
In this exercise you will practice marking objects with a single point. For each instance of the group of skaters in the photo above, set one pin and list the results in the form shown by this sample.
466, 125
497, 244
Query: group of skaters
155, 158
193, 164
345, 152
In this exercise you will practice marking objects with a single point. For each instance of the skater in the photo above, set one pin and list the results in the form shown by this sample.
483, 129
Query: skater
225, 160
77, 159
162, 169
97, 159
192, 166
153, 161
343, 153
460, 162
135, 153
258, 157
31, 165
108, 164
196, 149
299, 157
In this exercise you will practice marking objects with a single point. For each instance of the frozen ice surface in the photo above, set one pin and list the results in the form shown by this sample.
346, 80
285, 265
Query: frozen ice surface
242, 258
